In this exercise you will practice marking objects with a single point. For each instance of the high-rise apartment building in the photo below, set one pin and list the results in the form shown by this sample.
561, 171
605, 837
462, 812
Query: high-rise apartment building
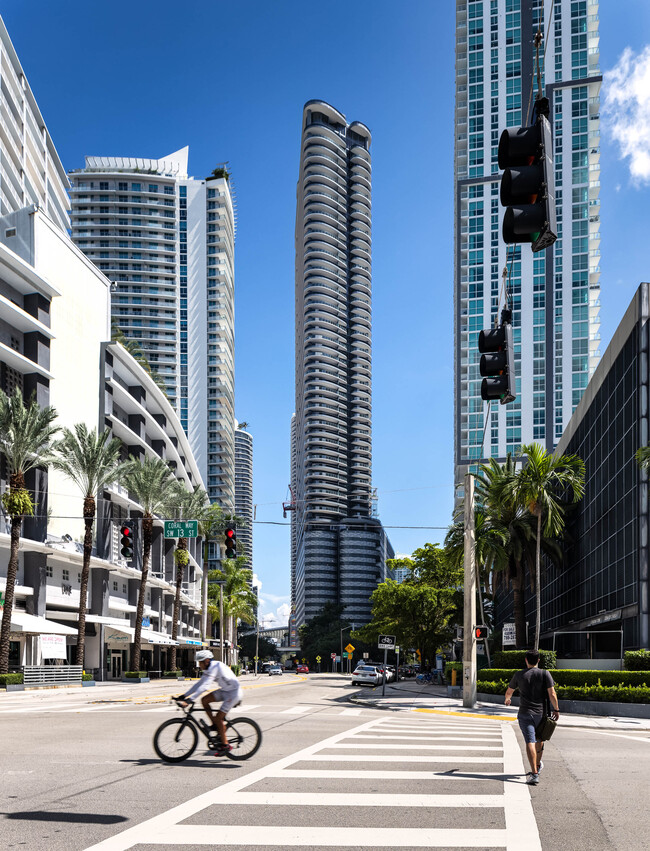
166, 241
556, 291
338, 548
244, 491
30, 169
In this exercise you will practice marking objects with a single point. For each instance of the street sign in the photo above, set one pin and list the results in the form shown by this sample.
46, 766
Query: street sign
350, 648
318, 659
509, 635
397, 648
346, 655
386, 642
181, 528
333, 655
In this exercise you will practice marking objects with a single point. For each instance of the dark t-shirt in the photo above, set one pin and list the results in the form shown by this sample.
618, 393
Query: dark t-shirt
532, 684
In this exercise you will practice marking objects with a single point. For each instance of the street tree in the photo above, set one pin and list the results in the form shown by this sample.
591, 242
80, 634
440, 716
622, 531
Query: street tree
26, 435
239, 599
152, 483
91, 461
545, 485
183, 505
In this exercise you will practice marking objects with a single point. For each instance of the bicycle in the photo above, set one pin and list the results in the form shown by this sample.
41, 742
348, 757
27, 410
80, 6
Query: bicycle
176, 739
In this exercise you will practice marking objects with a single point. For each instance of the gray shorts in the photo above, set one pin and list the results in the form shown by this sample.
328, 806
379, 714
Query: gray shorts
527, 723
228, 698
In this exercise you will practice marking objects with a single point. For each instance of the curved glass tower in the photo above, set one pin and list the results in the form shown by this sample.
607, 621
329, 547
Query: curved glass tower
332, 431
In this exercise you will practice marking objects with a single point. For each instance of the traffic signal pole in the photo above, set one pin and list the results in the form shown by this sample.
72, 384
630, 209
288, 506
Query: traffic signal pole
469, 587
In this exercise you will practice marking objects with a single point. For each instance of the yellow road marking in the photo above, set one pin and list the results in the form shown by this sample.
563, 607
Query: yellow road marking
467, 714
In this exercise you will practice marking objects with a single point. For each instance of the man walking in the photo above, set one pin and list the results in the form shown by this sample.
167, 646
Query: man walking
533, 684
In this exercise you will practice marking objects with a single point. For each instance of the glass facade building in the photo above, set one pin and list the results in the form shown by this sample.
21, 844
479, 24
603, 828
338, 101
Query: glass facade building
602, 582
555, 293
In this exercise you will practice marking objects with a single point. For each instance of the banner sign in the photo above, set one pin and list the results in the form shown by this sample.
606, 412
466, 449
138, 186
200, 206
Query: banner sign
53, 647
509, 636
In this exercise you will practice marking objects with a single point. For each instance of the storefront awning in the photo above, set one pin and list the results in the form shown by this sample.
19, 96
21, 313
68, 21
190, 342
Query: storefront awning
148, 636
22, 622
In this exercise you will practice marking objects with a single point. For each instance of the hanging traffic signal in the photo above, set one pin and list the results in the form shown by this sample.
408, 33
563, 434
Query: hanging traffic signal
126, 531
230, 542
527, 184
497, 365
481, 632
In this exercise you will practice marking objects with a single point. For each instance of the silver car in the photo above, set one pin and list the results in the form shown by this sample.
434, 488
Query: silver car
275, 669
366, 675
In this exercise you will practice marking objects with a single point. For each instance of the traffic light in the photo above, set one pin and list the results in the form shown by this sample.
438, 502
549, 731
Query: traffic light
126, 531
497, 365
528, 185
230, 542
481, 632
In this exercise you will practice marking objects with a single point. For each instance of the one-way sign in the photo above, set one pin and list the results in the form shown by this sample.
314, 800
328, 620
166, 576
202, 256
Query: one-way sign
386, 642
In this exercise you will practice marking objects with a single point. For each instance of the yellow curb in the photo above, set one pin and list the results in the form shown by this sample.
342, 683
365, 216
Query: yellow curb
467, 714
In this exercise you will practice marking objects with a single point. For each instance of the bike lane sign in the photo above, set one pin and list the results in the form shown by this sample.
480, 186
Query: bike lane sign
386, 642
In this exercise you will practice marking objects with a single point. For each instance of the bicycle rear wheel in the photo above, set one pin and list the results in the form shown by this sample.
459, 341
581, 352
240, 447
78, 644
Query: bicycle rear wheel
244, 736
175, 740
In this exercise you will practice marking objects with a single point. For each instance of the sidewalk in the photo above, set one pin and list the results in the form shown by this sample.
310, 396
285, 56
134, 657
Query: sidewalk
431, 698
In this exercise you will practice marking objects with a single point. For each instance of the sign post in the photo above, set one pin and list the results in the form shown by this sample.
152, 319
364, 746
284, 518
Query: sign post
333, 655
385, 642
181, 528
469, 642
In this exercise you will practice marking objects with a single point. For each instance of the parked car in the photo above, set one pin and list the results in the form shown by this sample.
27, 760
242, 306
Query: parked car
406, 671
366, 675
391, 673
275, 670
302, 669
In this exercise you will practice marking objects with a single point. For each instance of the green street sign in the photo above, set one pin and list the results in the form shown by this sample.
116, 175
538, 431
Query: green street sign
346, 655
181, 528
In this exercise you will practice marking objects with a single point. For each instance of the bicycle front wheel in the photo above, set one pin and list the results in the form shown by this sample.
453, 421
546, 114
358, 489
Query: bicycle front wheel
245, 737
175, 740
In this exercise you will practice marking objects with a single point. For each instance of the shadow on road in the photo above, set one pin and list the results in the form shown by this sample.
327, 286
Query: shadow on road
194, 763
81, 818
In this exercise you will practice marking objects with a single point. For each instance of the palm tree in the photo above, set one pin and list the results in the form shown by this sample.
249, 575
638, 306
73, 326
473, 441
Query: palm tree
642, 456
92, 462
239, 599
186, 505
542, 486
26, 434
152, 483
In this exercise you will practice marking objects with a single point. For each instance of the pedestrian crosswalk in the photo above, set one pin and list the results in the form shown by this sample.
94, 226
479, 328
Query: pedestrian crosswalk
392, 782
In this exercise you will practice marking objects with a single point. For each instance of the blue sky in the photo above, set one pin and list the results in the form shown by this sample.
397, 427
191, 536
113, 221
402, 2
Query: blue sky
229, 79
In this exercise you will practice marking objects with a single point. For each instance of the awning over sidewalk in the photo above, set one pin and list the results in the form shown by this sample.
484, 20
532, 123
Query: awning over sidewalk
22, 622
147, 636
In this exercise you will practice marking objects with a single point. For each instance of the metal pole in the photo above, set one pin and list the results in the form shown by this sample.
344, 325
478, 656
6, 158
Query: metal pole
622, 650
204, 590
221, 630
469, 644
257, 645
383, 684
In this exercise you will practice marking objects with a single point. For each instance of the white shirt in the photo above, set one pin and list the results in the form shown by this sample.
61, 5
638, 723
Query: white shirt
217, 673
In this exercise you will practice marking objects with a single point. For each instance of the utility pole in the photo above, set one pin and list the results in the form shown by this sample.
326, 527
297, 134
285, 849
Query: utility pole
257, 645
221, 630
469, 644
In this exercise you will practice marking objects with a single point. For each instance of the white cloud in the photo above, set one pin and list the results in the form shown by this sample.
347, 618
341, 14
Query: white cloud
257, 582
284, 611
626, 110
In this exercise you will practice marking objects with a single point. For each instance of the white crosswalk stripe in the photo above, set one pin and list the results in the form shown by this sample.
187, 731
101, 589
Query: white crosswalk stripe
451, 788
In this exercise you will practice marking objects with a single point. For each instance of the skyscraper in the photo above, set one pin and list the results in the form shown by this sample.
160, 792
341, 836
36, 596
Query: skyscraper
30, 169
166, 240
337, 547
244, 490
556, 291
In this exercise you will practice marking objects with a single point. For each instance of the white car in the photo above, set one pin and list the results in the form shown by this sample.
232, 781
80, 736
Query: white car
275, 669
366, 675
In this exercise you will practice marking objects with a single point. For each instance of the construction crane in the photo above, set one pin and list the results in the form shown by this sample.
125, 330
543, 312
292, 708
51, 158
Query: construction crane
289, 506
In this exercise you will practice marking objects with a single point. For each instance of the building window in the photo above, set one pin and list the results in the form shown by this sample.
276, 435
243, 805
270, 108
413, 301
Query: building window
114, 585
49, 570
66, 575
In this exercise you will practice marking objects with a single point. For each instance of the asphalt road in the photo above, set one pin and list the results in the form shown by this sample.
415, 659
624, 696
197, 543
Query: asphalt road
79, 772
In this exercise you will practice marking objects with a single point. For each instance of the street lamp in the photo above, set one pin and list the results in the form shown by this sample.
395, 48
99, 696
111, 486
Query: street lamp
344, 629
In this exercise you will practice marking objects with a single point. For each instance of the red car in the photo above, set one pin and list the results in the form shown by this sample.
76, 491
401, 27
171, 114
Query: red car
302, 669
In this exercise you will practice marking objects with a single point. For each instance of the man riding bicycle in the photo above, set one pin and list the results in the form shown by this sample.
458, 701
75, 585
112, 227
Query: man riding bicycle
229, 692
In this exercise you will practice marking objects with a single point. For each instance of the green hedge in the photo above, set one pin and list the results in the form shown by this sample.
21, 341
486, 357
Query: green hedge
568, 677
517, 659
614, 694
11, 679
86, 677
172, 674
134, 675
637, 660
236, 669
